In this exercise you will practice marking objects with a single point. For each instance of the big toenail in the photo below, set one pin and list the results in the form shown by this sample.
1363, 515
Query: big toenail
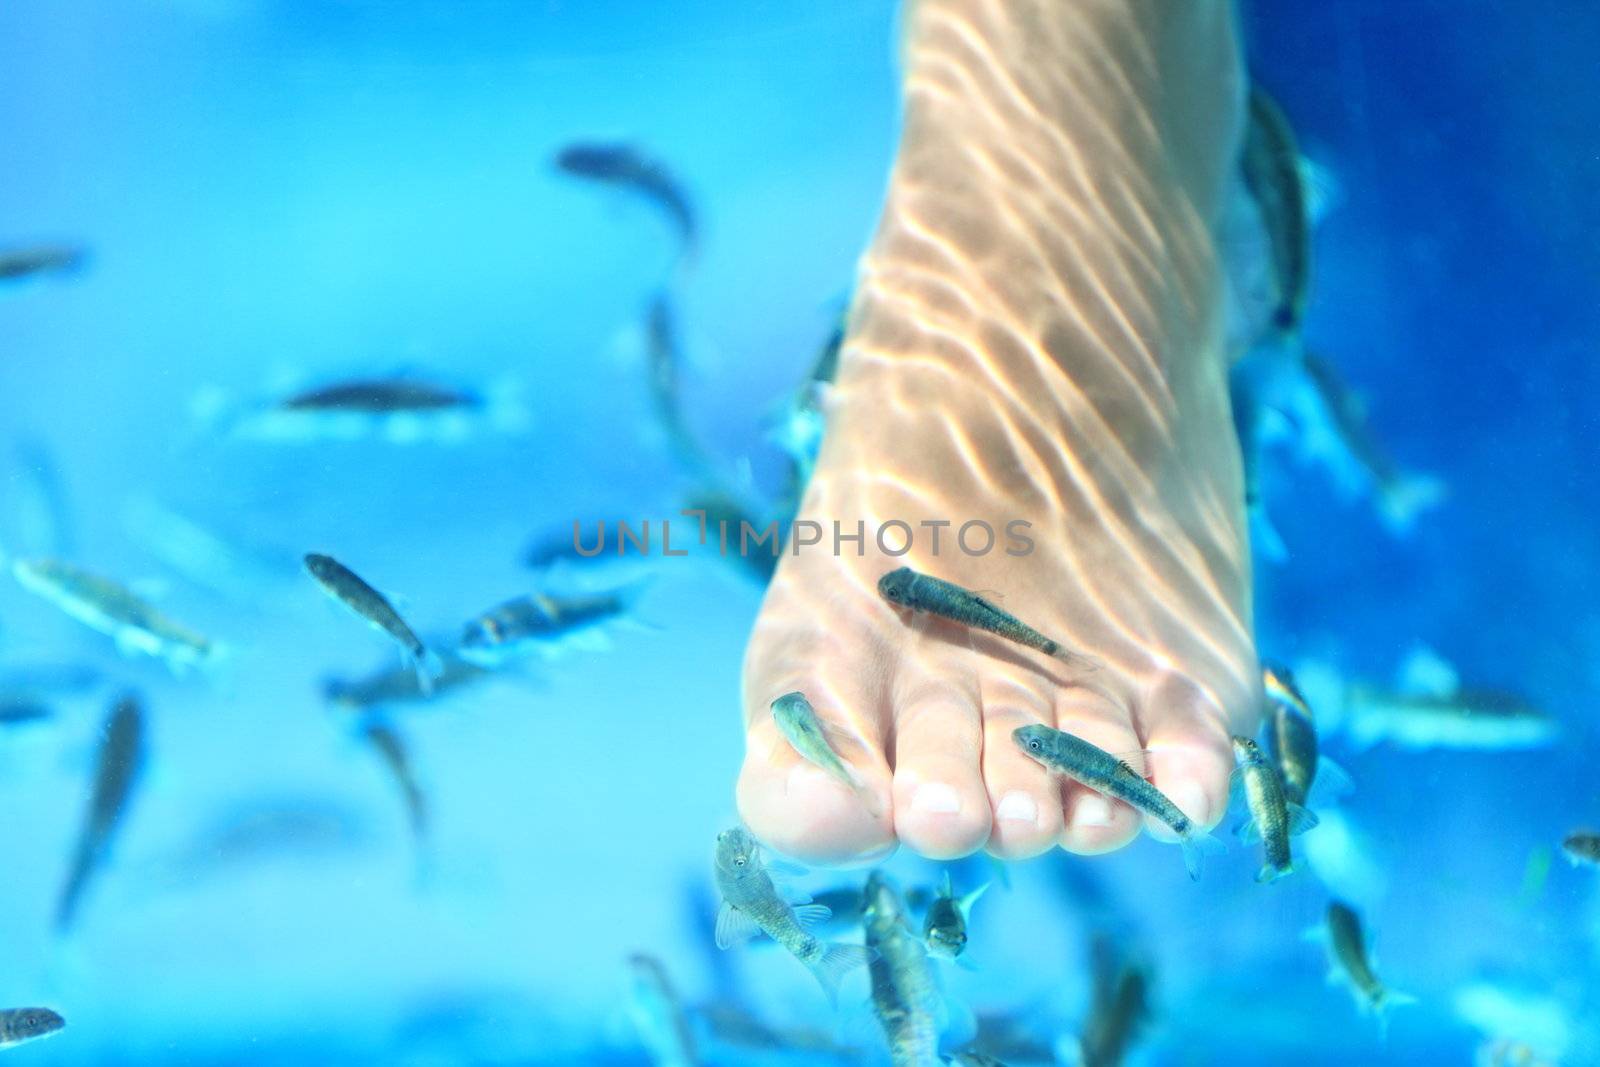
1018, 806
1092, 810
1191, 800
936, 798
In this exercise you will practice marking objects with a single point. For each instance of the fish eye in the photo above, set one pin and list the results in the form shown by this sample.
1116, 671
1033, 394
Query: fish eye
1034, 745
738, 861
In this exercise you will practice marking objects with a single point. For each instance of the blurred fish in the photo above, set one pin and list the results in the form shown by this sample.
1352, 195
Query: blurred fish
797, 429
21, 711
1582, 847
751, 904
554, 547
1099, 770
1348, 948
121, 759
272, 830
1119, 1011
731, 1026
1292, 740
391, 749
1432, 710
1271, 165
545, 624
1274, 818
905, 588
365, 602
658, 1015
21, 1025
399, 409
38, 261
102, 605
625, 166
944, 928
665, 364
390, 686
846, 904
725, 515
972, 1059
905, 995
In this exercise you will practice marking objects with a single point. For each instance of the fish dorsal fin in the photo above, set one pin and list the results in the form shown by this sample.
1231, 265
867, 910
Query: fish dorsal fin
809, 915
734, 927
1300, 819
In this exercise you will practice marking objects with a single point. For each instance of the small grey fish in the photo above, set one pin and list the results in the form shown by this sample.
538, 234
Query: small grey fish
399, 685
1099, 770
20, 1025
39, 260
391, 749
23, 711
1348, 947
346, 587
905, 995
944, 928
664, 360
905, 588
798, 722
658, 1015
1582, 847
1119, 1011
544, 623
751, 904
624, 165
1271, 166
1274, 818
121, 758
381, 396
103, 605
1292, 741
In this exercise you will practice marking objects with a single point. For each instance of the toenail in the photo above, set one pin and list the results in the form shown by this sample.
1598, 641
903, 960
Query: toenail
1019, 806
1191, 800
1092, 810
936, 798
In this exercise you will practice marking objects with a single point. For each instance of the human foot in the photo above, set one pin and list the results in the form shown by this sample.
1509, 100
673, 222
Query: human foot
1035, 341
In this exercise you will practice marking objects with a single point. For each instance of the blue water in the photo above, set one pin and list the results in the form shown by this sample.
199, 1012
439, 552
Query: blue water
282, 195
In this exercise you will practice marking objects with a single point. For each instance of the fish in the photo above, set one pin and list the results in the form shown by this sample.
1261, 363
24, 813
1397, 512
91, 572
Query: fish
1094, 767
1582, 847
1448, 717
1119, 1011
132, 623
347, 588
1360, 458
38, 261
380, 396
751, 904
1347, 946
21, 1025
905, 588
797, 721
968, 1058
726, 514
944, 928
658, 1015
23, 711
625, 166
400, 409
543, 623
391, 749
1273, 174
118, 767
664, 364
392, 686
1274, 818
1292, 741
905, 994
846, 903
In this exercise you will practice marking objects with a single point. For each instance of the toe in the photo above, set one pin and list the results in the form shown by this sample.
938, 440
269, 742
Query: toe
1188, 752
940, 806
1093, 822
1024, 797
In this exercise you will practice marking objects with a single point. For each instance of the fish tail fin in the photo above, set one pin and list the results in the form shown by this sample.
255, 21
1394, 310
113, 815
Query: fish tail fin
429, 667
1076, 660
833, 961
1269, 874
1385, 1002
1197, 845
1415, 494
